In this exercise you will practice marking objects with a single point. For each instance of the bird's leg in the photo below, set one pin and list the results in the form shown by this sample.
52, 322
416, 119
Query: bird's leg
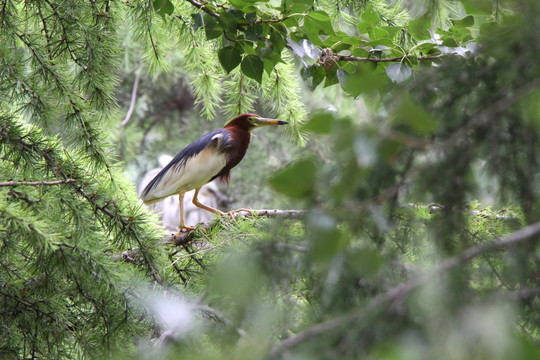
182, 223
205, 207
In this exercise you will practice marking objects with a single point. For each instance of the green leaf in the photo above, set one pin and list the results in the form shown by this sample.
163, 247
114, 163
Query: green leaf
392, 30
419, 28
376, 33
478, 7
163, 7
245, 6
398, 72
254, 32
296, 180
211, 27
363, 80
415, 116
370, 16
277, 40
253, 67
197, 21
319, 16
229, 58
319, 23
320, 123
366, 262
296, 6
465, 22
325, 237
450, 42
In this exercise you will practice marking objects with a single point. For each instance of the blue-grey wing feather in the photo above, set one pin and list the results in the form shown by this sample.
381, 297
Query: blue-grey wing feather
191, 150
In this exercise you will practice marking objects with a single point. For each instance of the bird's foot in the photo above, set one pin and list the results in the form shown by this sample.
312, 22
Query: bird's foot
233, 213
182, 228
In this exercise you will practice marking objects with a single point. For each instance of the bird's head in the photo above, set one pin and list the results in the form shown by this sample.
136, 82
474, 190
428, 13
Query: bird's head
251, 121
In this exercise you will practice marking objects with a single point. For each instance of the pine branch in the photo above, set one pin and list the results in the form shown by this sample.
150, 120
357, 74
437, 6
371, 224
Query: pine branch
52, 163
36, 183
400, 292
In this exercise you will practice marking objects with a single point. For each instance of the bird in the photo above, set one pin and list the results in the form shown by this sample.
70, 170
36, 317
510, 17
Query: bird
211, 156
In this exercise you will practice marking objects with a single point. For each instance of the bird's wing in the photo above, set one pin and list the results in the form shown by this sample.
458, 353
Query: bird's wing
191, 168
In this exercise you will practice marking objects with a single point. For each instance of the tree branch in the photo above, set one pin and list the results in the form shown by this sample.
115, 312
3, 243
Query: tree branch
203, 8
394, 59
401, 291
35, 183
186, 237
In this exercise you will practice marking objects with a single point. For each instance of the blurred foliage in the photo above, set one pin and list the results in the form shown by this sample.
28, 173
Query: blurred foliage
418, 177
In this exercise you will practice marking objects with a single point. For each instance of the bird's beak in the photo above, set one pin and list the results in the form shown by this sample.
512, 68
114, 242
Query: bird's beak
265, 122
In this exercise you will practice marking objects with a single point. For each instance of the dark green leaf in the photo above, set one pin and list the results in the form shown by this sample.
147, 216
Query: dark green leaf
253, 67
229, 58
163, 7
254, 32
296, 180
277, 40
211, 27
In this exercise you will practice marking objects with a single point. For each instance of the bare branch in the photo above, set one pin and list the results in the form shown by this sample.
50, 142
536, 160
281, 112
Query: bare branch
400, 292
36, 183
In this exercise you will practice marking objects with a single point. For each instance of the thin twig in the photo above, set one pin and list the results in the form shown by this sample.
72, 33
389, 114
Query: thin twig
35, 183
